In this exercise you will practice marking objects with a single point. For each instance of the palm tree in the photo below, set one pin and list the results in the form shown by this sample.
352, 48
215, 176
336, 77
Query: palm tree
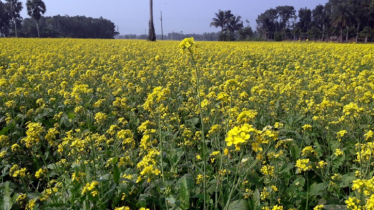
35, 9
15, 8
151, 33
228, 16
219, 20
234, 24
340, 17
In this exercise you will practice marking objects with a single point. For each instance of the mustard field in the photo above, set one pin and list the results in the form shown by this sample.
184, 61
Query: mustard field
124, 124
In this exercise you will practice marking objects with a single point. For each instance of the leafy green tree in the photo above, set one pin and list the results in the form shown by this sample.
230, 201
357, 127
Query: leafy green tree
318, 20
228, 16
228, 23
234, 24
285, 14
340, 17
151, 33
66, 26
4, 20
362, 14
314, 33
14, 8
296, 32
245, 33
336, 17
329, 29
267, 23
278, 21
367, 32
35, 9
305, 19
219, 20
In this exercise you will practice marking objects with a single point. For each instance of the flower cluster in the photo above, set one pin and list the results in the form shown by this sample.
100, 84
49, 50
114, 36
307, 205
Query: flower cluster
239, 135
187, 43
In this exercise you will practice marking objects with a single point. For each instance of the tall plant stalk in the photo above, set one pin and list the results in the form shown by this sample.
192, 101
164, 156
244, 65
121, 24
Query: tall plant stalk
162, 156
203, 144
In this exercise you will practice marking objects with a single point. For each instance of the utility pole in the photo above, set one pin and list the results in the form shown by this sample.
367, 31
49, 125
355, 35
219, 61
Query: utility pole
162, 32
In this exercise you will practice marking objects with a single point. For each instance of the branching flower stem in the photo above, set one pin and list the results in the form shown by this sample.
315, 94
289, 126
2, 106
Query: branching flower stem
203, 144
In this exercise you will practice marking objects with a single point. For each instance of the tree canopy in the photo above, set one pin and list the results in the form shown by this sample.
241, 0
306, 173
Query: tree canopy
337, 20
353, 19
229, 24
35, 9
72, 27
13, 9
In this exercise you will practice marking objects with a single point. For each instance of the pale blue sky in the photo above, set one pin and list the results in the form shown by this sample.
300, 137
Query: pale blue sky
193, 16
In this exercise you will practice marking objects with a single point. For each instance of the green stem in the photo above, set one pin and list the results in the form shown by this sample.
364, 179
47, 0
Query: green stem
307, 192
221, 162
235, 183
162, 157
219, 177
47, 173
202, 126
94, 157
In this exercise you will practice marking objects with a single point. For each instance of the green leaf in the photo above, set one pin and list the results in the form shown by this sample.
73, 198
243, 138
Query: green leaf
128, 180
110, 192
71, 115
295, 151
322, 201
194, 121
257, 197
299, 119
88, 175
294, 133
54, 206
347, 179
335, 207
116, 175
33, 195
299, 182
104, 178
115, 160
7, 203
4, 131
317, 189
186, 184
287, 168
239, 205
171, 200
14, 198
334, 145
142, 201
333, 201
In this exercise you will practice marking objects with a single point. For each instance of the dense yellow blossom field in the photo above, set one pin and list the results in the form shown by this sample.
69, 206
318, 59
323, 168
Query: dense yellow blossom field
120, 124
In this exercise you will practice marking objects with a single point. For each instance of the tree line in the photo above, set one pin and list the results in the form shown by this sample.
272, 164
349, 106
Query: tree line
13, 25
340, 20
337, 20
212, 36
72, 27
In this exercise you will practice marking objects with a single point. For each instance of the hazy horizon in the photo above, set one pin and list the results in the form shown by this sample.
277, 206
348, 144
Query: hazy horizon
190, 17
